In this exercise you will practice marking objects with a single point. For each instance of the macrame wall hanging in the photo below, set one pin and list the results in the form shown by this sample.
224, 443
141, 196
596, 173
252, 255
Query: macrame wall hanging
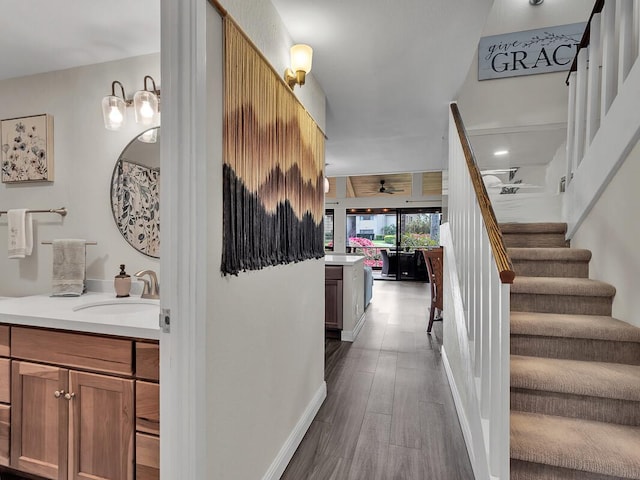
273, 180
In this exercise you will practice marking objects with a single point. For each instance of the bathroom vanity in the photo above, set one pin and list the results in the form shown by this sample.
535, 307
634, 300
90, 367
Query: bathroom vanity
79, 387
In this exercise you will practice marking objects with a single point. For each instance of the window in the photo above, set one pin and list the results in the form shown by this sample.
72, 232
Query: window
328, 230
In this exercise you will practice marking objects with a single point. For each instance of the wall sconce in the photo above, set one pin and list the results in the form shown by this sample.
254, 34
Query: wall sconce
326, 185
145, 102
301, 56
114, 108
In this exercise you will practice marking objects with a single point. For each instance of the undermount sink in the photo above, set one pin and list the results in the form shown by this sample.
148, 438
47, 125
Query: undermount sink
119, 306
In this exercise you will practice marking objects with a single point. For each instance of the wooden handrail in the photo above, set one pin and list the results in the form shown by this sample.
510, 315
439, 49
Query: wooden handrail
218, 6
586, 37
503, 262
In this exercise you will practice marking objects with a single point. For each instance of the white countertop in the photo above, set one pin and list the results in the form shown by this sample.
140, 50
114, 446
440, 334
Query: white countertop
57, 312
342, 259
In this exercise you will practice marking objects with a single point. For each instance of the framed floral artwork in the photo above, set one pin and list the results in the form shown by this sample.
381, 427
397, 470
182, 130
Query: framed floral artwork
27, 149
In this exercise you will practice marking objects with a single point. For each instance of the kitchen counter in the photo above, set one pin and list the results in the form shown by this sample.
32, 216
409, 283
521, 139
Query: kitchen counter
58, 313
342, 259
344, 295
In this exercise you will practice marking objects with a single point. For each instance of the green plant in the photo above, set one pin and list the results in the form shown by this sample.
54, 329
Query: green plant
420, 223
390, 239
417, 240
389, 230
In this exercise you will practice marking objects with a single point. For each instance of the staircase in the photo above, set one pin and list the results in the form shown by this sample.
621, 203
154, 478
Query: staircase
575, 370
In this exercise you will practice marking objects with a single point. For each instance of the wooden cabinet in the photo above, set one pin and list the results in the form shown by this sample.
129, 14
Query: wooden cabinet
344, 296
73, 420
5, 394
39, 420
333, 292
101, 427
147, 411
147, 457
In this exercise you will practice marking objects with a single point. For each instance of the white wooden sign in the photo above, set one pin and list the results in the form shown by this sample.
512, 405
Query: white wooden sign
529, 52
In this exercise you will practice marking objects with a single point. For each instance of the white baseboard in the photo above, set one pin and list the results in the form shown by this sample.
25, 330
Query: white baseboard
462, 417
279, 464
350, 335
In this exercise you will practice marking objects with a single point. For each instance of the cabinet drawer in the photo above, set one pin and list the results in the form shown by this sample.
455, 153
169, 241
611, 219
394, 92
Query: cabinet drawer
74, 350
148, 361
5, 427
148, 407
147, 457
333, 272
4, 341
5, 380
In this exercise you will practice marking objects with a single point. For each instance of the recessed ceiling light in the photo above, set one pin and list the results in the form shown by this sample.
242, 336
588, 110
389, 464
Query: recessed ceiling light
499, 153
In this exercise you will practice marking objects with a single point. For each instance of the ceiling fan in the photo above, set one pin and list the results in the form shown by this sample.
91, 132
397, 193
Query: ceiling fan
389, 190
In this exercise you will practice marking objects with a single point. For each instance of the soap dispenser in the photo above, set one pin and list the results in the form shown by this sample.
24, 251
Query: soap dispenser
122, 283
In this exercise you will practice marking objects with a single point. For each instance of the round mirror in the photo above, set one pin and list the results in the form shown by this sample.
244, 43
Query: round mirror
135, 193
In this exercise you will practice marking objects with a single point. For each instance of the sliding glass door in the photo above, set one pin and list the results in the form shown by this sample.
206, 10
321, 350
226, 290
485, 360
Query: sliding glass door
390, 239
417, 229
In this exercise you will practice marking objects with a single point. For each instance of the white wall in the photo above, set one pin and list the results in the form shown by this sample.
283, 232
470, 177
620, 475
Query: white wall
265, 330
261, 22
526, 100
611, 231
84, 155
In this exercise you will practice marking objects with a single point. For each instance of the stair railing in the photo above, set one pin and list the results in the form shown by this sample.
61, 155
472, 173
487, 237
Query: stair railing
477, 278
603, 120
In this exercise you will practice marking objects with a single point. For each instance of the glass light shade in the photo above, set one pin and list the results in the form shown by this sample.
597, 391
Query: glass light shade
150, 136
301, 56
326, 185
145, 104
113, 112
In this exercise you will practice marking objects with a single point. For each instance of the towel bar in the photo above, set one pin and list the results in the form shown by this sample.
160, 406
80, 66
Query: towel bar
50, 242
60, 211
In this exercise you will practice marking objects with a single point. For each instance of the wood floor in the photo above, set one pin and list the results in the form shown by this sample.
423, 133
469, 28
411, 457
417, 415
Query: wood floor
389, 413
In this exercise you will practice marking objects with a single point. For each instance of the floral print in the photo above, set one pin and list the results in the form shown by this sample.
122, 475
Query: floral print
24, 149
135, 199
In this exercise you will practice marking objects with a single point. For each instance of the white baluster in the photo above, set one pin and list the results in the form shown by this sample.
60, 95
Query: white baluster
626, 40
609, 57
593, 83
571, 127
581, 108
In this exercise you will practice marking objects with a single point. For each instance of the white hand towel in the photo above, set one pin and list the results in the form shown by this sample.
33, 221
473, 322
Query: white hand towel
69, 260
20, 229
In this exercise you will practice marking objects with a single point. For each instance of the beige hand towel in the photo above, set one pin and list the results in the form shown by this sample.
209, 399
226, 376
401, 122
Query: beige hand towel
20, 229
69, 261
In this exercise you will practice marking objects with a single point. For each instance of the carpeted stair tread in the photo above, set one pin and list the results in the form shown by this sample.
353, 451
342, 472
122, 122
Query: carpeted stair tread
550, 254
583, 287
582, 445
594, 379
544, 227
595, 327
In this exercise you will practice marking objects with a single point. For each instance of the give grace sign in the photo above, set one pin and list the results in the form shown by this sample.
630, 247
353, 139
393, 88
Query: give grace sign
529, 52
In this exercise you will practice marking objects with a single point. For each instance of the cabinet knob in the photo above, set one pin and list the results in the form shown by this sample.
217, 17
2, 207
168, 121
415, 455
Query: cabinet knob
58, 393
69, 396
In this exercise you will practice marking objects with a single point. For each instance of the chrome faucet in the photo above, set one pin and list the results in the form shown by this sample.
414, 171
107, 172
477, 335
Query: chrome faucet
151, 287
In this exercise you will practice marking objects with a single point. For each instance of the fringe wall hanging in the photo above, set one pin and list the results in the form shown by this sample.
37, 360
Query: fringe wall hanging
273, 180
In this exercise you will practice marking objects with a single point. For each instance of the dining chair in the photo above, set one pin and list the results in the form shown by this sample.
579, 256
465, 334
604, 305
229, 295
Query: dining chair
434, 260
389, 263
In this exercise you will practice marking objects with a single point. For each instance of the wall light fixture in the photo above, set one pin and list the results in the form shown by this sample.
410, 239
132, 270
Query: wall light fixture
145, 102
301, 57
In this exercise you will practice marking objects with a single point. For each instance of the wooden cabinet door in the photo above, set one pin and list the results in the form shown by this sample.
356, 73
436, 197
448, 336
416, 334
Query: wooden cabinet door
39, 419
333, 303
102, 425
